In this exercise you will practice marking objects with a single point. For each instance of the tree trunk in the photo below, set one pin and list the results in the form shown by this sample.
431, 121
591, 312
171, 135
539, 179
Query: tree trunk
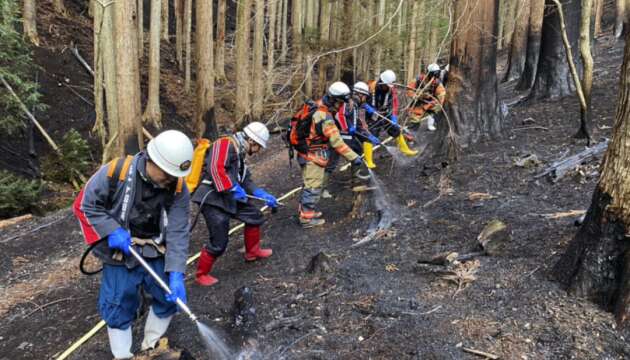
187, 42
599, 10
271, 41
324, 38
296, 38
179, 33
595, 264
140, 28
473, 107
29, 14
60, 7
587, 73
620, 17
220, 43
108, 54
243, 79
165, 21
518, 49
152, 113
510, 21
205, 123
259, 37
285, 44
534, 33
378, 46
128, 86
501, 21
411, 50
553, 78
99, 94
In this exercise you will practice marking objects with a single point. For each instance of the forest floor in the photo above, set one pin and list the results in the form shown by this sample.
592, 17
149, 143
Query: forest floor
375, 300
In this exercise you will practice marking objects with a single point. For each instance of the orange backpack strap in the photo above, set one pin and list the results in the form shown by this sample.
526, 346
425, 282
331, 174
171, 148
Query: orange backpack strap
180, 185
117, 172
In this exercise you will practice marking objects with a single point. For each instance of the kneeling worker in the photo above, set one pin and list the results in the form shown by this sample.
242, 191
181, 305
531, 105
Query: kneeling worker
223, 195
139, 201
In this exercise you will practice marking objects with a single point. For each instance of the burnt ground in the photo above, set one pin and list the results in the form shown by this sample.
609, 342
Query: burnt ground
376, 301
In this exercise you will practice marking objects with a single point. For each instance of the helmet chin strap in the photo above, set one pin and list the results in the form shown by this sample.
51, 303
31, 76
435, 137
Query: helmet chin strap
241, 137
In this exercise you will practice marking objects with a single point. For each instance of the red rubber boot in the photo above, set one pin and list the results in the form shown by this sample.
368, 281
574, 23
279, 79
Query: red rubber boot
252, 244
204, 266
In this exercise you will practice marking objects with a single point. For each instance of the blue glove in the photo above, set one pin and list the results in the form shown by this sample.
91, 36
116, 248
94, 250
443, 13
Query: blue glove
373, 139
394, 119
352, 130
358, 161
270, 200
120, 239
238, 193
178, 290
369, 109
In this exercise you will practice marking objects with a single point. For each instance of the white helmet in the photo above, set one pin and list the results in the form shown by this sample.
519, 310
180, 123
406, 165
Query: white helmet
339, 90
258, 132
361, 88
388, 77
433, 68
172, 152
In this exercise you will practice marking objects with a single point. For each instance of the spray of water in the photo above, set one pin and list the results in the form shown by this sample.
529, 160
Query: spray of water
399, 158
215, 346
386, 208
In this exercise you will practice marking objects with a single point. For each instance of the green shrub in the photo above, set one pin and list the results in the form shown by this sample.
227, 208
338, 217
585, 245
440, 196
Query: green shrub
17, 194
73, 162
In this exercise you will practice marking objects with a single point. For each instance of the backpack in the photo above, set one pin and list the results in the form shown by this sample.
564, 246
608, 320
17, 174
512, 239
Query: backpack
300, 128
196, 168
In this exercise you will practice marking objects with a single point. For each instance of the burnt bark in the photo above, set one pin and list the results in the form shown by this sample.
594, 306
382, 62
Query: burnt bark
596, 263
472, 108
553, 78
534, 33
518, 48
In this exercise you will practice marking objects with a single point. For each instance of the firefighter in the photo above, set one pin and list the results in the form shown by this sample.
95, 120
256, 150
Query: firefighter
224, 194
430, 101
322, 136
384, 99
140, 201
353, 128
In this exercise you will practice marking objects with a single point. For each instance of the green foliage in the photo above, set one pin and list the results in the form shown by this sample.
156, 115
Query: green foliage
16, 67
73, 162
17, 194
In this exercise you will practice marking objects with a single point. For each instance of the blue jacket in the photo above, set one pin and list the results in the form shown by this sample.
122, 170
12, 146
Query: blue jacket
100, 216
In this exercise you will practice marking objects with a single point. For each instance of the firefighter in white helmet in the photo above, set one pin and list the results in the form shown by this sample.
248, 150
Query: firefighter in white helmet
320, 137
384, 99
223, 195
140, 201
428, 102
352, 124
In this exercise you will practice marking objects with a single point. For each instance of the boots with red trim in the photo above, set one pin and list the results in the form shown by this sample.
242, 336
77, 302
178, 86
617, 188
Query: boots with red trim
204, 266
252, 244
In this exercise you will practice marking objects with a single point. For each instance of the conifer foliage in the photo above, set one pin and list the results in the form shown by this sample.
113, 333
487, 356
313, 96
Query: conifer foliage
16, 67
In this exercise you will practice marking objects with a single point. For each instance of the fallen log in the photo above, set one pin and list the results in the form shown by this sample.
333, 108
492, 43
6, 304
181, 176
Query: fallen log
561, 167
15, 220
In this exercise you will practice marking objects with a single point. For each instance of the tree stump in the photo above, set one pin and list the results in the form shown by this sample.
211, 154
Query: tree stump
494, 237
319, 264
244, 311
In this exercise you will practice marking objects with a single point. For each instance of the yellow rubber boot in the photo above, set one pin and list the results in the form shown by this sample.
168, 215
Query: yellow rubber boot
368, 150
404, 148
